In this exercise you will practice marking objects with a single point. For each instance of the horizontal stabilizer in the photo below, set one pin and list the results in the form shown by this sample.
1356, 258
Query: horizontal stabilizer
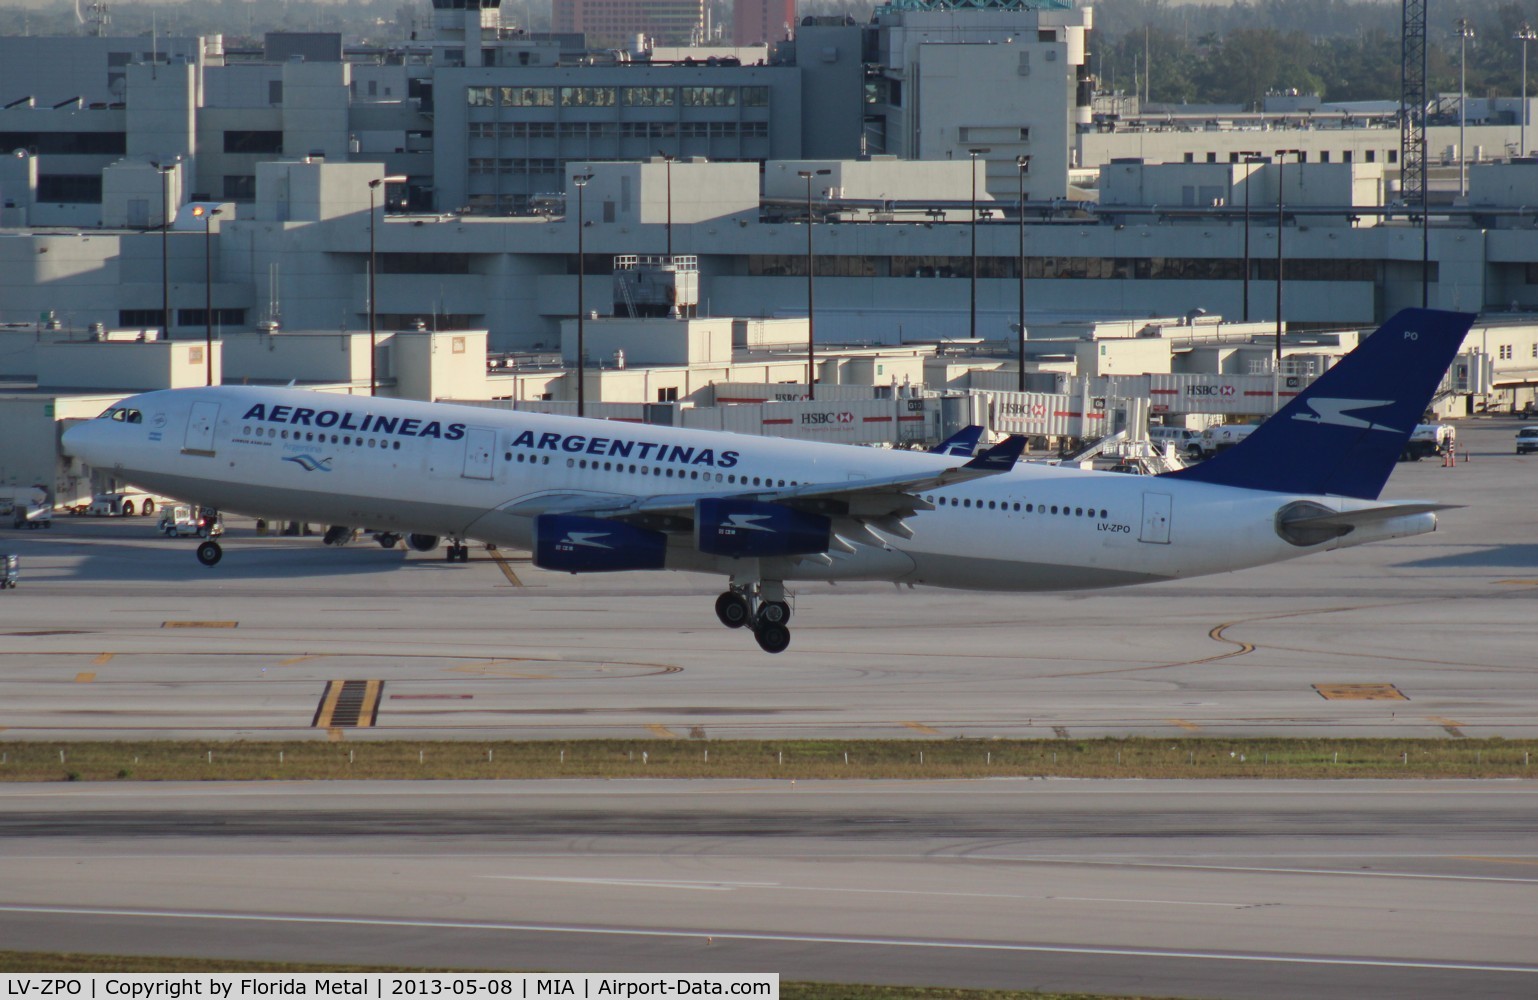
1304, 522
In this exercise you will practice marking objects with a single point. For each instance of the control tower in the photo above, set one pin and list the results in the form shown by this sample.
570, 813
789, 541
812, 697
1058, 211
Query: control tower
466, 23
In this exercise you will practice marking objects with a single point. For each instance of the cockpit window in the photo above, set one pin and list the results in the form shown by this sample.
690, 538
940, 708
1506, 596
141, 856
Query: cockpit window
117, 414
124, 414
134, 416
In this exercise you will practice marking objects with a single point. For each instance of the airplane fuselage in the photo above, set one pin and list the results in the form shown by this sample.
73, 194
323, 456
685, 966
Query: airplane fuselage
484, 473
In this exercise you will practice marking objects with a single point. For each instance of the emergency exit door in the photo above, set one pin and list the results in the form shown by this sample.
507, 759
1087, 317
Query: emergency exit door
1156, 519
480, 444
200, 429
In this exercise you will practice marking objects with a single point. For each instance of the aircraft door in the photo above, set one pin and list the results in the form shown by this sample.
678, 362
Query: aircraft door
200, 429
480, 446
1156, 519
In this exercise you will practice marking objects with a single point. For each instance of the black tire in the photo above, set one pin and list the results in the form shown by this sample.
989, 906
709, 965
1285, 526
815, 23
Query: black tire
147, 508
772, 638
128, 508
209, 553
774, 613
387, 540
732, 608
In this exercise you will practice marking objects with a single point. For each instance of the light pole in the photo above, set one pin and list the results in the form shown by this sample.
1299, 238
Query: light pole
373, 336
1465, 32
1250, 159
580, 180
1524, 35
669, 161
1023, 164
165, 170
208, 286
1281, 164
811, 267
974, 153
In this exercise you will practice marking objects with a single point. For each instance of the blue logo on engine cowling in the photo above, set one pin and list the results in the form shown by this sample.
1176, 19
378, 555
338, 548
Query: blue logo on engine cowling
309, 463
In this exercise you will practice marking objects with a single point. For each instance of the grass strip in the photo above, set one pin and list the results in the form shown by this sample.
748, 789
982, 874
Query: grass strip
21, 962
1187, 757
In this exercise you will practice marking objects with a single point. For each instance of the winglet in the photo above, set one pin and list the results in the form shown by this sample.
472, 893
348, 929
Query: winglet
1343, 434
1001, 457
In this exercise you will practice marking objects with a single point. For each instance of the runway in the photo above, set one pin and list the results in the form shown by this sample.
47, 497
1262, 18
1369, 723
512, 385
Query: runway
1221, 889
116, 632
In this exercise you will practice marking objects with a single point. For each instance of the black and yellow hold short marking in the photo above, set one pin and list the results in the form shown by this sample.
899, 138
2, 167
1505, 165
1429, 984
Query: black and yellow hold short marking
348, 704
1360, 692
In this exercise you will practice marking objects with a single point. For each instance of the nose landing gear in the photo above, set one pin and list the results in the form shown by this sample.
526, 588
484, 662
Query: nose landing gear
761, 607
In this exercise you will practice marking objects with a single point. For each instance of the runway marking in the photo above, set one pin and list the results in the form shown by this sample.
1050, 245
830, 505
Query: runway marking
919, 727
493, 668
1517, 583
299, 659
199, 624
644, 883
1189, 727
1157, 902
1499, 861
1360, 692
657, 729
854, 890
506, 569
103, 659
1451, 725
84, 678
696, 935
1354, 873
327, 705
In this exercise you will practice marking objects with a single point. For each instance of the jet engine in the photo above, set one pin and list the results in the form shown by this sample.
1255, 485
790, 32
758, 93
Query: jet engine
575, 544
422, 543
749, 528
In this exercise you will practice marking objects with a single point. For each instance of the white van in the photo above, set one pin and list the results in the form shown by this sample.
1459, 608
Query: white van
1186, 441
1221, 437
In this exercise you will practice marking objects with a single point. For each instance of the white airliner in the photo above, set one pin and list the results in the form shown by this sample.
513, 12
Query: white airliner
588, 495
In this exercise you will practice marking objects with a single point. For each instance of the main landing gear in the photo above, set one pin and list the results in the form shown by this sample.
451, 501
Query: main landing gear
761, 607
458, 551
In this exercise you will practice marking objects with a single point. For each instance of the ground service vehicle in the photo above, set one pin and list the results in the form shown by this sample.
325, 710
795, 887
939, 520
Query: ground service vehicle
1527, 440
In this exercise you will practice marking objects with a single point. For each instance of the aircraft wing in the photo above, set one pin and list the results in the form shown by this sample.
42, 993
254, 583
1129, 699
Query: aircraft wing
884, 501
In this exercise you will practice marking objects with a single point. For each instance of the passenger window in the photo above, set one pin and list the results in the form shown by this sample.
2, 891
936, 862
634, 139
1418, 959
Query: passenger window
1079, 511
967, 502
755, 480
1017, 508
1054, 508
1104, 514
570, 462
991, 505
245, 430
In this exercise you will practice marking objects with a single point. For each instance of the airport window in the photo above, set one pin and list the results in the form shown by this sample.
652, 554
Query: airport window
240, 187
140, 317
1535, 350
481, 97
528, 97
222, 317
1506, 352
1372, 156
650, 97
69, 189
587, 97
709, 97
67, 143
253, 141
424, 263
755, 97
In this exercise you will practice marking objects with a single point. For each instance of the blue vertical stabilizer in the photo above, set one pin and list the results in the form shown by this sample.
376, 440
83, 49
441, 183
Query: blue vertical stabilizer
1343, 434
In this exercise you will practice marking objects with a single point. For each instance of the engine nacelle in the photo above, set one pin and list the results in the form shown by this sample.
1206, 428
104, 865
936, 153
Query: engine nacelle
422, 543
749, 528
574, 544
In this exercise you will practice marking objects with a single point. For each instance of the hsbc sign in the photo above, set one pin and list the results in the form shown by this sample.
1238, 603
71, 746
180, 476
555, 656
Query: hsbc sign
1205, 391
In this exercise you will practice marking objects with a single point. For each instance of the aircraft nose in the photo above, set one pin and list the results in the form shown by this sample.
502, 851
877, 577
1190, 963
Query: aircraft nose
77, 440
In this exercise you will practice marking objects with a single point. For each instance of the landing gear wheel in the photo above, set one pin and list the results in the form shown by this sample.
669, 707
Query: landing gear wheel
387, 540
774, 613
732, 608
458, 553
772, 638
210, 553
